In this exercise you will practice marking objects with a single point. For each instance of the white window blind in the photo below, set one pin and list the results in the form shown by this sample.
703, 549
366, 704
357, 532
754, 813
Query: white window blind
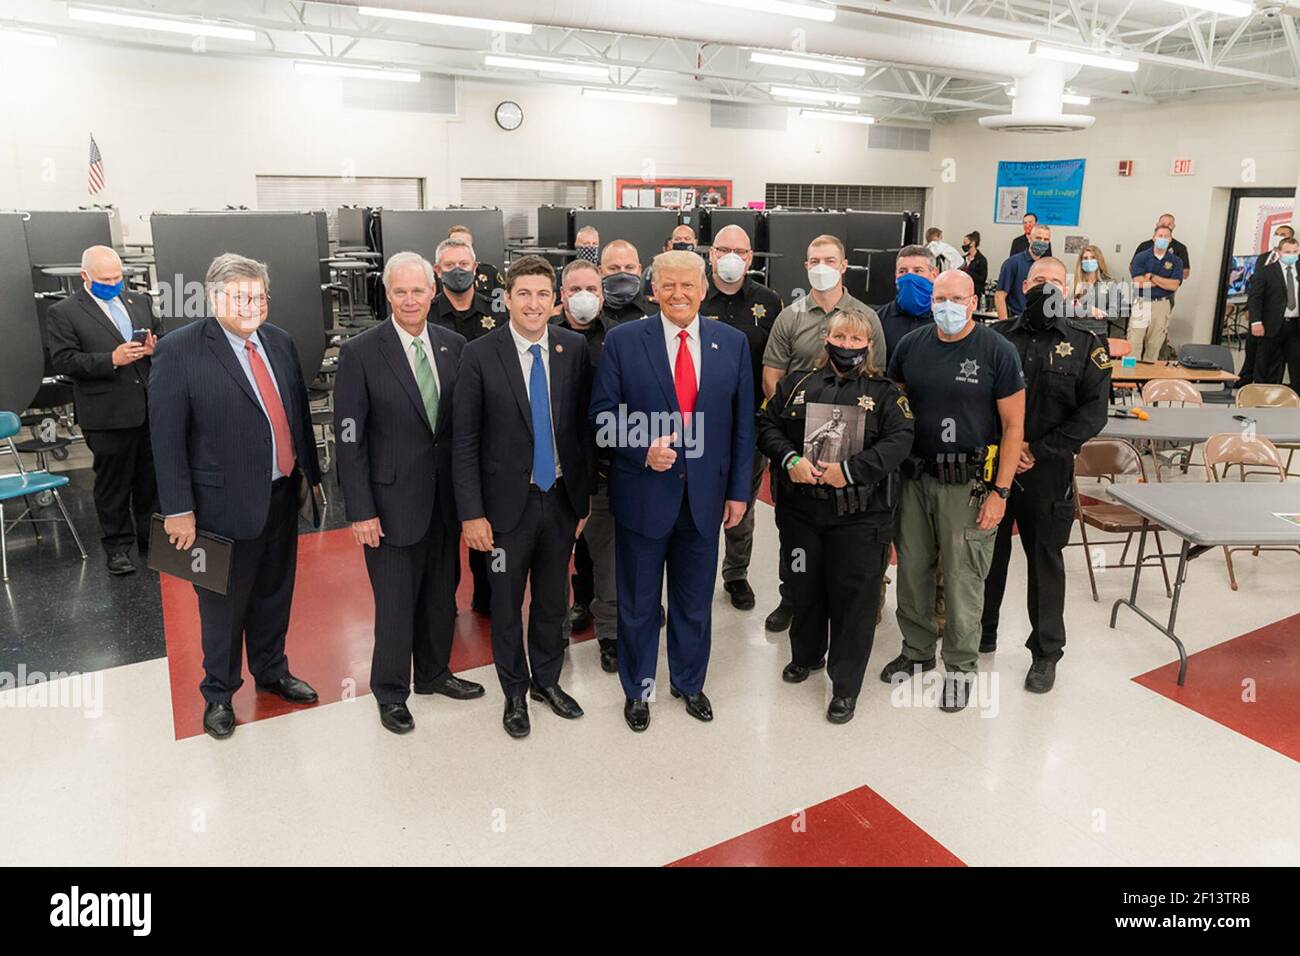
518, 199
305, 193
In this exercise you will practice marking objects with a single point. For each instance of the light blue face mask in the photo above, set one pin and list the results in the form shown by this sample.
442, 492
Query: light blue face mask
1161, 243
950, 317
1289, 259
1090, 265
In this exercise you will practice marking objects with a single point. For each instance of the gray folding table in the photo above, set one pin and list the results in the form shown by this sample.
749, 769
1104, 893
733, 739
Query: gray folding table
1207, 516
1196, 424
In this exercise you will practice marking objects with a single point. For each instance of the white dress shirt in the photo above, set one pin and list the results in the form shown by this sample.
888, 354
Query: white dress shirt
671, 333
406, 338
522, 345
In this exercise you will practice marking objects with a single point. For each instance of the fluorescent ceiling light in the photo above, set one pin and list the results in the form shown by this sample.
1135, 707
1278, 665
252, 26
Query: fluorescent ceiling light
1072, 99
839, 117
815, 96
356, 72
446, 20
545, 66
1227, 8
630, 95
808, 63
820, 11
30, 38
1105, 61
193, 28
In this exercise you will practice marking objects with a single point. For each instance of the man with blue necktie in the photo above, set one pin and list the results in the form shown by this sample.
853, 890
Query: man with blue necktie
93, 341
522, 467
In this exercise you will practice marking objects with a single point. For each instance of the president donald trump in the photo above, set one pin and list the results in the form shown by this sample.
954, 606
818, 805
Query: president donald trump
674, 399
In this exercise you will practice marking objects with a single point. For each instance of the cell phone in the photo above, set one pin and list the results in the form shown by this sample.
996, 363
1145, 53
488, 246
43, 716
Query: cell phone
140, 336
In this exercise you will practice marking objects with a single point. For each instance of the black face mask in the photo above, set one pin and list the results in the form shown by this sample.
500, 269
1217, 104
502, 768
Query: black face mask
845, 360
458, 280
686, 246
1043, 306
620, 288
965, 247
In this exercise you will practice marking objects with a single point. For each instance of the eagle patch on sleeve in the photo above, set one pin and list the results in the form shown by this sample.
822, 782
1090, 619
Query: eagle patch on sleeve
902, 404
1100, 357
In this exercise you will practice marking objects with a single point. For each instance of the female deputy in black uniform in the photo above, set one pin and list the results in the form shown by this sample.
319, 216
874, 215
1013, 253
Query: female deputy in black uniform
836, 436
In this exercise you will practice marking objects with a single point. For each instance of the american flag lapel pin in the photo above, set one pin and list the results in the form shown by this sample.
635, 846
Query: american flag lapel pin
443, 349
559, 348
713, 345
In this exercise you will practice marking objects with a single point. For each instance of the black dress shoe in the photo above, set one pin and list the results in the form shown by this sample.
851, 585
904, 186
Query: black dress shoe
697, 705
957, 692
561, 703
794, 674
218, 720
292, 689
742, 595
609, 657
397, 718
579, 617
988, 643
841, 709
455, 688
779, 619
1041, 677
515, 718
637, 714
902, 664
119, 562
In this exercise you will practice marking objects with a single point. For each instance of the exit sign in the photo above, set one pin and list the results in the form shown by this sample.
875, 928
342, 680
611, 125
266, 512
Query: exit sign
1181, 167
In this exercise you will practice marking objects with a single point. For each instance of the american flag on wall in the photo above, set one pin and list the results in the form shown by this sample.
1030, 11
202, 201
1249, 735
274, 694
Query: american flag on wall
96, 177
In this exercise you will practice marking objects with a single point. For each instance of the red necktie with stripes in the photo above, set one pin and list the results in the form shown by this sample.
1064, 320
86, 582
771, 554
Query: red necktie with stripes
684, 375
284, 457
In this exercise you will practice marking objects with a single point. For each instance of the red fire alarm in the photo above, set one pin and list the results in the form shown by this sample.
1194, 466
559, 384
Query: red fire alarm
1126, 167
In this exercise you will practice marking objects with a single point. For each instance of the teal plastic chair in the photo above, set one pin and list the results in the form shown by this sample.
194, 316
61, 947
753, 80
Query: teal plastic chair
21, 485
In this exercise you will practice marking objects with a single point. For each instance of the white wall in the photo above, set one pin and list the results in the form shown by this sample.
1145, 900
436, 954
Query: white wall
181, 131
1229, 142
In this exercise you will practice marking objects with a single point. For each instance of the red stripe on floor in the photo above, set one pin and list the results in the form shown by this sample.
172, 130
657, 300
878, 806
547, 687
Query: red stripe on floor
858, 828
1250, 684
331, 633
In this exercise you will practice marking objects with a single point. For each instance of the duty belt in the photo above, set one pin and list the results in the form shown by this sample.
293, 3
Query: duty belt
950, 468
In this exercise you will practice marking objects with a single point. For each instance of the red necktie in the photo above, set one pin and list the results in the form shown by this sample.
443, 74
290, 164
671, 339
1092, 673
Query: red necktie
274, 410
684, 375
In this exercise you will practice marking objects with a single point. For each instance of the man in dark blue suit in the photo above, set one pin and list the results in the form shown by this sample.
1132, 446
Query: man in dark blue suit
522, 463
392, 416
666, 382
233, 449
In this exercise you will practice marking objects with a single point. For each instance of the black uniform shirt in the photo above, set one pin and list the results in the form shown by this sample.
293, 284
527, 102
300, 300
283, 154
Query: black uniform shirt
638, 308
1067, 377
477, 320
954, 387
594, 332
752, 309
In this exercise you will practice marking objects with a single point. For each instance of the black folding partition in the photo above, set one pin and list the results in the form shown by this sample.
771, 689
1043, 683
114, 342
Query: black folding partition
714, 220
288, 242
553, 226
788, 235
420, 230
22, 359
884, 232
58, 238
644, 228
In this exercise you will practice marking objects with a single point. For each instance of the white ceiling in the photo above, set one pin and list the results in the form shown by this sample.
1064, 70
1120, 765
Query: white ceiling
927, 60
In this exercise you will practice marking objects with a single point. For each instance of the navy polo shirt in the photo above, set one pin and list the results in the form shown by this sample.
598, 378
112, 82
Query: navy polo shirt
1011, 280
1169, 267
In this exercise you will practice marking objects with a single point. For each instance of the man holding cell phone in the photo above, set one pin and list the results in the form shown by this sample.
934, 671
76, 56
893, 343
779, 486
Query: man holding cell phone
103, 337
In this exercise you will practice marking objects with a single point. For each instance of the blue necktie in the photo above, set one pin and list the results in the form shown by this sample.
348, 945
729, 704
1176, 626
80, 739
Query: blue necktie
120, 318
540, 399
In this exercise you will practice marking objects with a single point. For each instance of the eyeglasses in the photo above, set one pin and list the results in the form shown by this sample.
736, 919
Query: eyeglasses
241, 301
724, 251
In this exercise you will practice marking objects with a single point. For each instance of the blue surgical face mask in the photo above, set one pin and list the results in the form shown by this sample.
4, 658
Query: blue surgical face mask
1039, 248
1161, 243
950, 317
914, 291
1289, 258
1090, 265
105, 291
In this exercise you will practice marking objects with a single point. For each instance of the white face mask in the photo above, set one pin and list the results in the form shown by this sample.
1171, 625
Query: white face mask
583, 306
730, 268
823, 278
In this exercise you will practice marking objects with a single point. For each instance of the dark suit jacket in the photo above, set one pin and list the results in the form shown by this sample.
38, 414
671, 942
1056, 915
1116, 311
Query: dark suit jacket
211, 439
1266, 298
492, 456
81, 342
392, 465
634, 377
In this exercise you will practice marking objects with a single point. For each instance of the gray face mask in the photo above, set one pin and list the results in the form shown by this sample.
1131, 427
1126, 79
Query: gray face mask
1039, 247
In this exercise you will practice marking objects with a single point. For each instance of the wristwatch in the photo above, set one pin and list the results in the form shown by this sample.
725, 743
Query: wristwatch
1002, 493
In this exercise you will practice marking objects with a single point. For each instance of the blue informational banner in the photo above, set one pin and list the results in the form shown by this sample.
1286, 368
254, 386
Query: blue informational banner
1052, 190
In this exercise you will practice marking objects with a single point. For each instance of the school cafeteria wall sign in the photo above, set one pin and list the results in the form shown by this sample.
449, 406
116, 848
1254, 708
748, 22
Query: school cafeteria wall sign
1051, 190
633, 193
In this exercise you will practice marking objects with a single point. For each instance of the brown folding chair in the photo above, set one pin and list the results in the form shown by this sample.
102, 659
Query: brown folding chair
1259, 395
1231, 448
1171, 391
1108, 459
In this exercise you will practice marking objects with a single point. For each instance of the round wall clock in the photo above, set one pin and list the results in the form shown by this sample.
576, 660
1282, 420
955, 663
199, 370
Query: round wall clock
509, 115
